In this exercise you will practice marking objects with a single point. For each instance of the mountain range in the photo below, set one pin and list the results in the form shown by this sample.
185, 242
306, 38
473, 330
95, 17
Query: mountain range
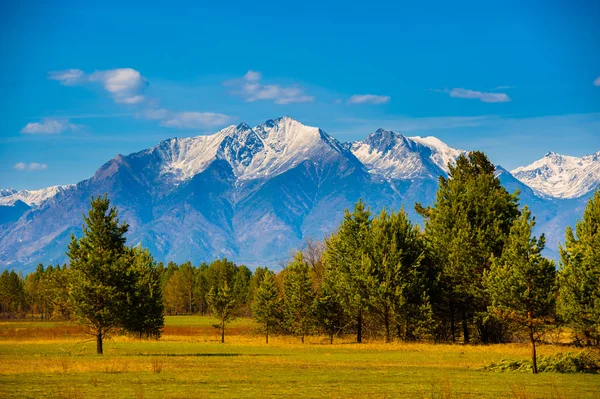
255, 194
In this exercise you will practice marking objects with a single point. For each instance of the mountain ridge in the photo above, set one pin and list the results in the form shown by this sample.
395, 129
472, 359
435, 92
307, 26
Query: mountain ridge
251, 194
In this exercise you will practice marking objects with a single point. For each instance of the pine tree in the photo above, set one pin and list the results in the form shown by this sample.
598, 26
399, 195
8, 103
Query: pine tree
145, 305
468, 223
398, 274
298, 297
222, 304
99, 271
266, 305
329, 312
522, 283
175, 295
579, 299
346, 263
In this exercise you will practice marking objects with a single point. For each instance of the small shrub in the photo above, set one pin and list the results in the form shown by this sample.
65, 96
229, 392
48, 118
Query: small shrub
586, 361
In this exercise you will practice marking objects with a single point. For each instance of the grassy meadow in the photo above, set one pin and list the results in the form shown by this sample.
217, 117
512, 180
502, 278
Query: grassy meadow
57, 360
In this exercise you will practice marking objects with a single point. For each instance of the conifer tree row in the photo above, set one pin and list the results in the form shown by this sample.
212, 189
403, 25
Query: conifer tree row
475, 274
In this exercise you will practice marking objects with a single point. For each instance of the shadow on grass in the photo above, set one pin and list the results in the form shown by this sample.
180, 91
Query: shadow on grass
200, 354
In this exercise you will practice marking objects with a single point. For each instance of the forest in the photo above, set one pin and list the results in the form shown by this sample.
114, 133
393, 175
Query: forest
474, 274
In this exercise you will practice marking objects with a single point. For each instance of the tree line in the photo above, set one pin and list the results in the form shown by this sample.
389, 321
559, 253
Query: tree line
474, 274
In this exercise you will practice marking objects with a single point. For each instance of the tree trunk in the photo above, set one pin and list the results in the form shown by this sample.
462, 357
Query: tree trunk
267, 335
465, 326
302, 337
223, 332
533, 352
387, 326
452, 326
99, 343
359, 327
331, 338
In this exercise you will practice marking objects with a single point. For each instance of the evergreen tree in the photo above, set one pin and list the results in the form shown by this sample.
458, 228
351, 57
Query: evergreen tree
347, 264
176, 298
187, 275
99, 269
145, 305
579, 299
266, 305
329, 312
222, 304
399, 277
467, 225
522, 283
298, 297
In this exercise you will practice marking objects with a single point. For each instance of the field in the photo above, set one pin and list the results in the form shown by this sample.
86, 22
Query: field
46, 359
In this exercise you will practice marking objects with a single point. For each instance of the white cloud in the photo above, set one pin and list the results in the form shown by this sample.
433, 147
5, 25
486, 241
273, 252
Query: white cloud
126, 85
154, 114
597, 81
368, 99
49, 126
68, 77
482, 96
30, 166
250, 88
196, 120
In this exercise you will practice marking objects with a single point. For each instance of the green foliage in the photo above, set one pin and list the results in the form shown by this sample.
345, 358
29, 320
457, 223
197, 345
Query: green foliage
13, 299
586, 361
145, 305
99, 275
348, 265
110, 285
298, 297
330, 316
522, 283
467, 225
267, 303
579, 299
222, 304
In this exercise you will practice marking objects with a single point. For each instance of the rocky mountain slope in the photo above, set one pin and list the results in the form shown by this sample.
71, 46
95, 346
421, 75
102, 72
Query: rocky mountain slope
250, 194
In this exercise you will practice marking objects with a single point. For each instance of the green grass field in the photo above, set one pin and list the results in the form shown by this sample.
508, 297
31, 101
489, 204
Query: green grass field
49, 359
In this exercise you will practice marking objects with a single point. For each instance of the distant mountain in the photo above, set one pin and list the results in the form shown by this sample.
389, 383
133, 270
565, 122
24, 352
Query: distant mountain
250, 194
562, 176
31, 197
394, 156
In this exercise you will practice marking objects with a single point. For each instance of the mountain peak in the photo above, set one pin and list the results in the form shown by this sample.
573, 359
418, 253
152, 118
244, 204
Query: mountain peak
561, 176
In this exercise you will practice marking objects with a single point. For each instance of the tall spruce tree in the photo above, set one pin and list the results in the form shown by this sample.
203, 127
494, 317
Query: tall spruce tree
522, 283
467, 225
579, 299
346, 262
399, 276
99, 271
222, 304
145, 304
330, 316
267, 303
298, 297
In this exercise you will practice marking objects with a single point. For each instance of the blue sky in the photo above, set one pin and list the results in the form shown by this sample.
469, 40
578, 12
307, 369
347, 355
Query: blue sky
83, 81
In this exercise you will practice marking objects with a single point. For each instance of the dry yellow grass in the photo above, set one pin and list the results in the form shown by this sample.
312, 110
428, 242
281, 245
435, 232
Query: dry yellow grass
190, 362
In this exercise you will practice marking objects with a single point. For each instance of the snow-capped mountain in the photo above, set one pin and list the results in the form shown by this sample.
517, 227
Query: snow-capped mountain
31, 197
392, 155
5, 192
249, 194
265, 151
561, 176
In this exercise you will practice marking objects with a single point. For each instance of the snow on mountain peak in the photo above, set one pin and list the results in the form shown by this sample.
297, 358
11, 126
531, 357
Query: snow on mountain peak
393, 155
268, 149
561, 176
31, 197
